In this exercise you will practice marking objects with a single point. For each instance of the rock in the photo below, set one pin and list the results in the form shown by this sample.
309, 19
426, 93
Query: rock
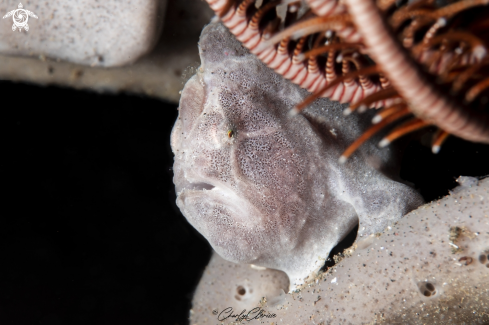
237, 286
90, 32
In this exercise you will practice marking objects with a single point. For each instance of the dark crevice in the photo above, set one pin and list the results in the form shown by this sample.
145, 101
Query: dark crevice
338, 249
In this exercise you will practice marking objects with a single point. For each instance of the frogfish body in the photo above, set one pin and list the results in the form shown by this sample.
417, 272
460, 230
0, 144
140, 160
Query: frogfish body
264, 187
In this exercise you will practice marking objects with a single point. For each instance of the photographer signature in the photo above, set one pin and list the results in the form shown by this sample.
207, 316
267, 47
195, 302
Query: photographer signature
255, 313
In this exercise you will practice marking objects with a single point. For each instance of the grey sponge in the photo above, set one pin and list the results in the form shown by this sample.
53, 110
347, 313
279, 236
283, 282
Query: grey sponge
98, 33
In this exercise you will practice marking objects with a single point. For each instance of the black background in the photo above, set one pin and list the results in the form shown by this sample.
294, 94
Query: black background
90, 233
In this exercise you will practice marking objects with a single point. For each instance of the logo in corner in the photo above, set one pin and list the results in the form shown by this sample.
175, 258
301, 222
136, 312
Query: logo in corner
20, 17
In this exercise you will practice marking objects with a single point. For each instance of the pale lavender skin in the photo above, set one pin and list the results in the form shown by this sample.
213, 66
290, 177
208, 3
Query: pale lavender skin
274, 194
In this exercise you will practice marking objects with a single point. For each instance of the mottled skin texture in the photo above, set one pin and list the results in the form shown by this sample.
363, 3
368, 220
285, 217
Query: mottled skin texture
265, 188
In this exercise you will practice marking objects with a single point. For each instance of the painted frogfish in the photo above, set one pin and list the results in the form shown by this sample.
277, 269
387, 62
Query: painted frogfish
264, 187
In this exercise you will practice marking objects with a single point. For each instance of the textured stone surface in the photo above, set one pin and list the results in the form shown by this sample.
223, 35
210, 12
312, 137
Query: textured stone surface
238, 286
92, 32
161, 73
432, 267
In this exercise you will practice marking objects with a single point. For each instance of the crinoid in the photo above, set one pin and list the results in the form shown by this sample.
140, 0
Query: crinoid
420, 63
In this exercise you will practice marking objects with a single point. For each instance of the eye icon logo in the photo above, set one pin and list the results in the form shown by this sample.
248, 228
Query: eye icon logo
20, 17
